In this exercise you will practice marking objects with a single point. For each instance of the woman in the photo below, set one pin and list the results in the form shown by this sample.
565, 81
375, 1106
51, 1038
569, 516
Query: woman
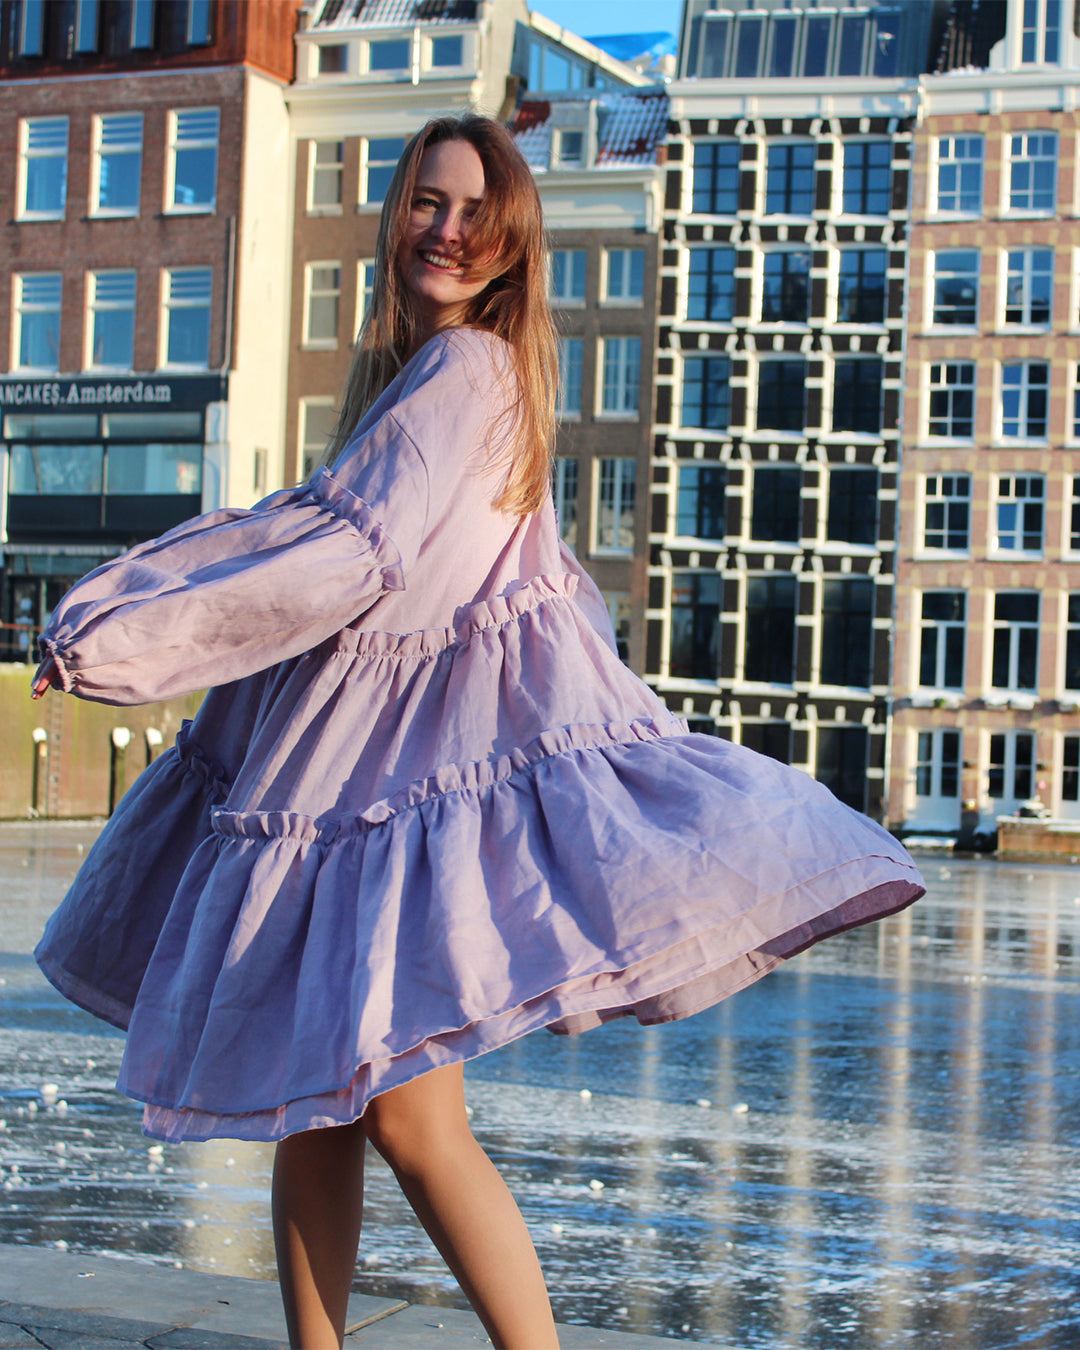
425, 809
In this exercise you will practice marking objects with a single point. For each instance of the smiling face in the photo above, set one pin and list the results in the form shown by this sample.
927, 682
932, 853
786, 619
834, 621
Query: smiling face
432, 256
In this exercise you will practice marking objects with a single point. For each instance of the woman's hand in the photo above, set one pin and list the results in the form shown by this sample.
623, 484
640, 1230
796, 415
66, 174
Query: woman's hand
47, 674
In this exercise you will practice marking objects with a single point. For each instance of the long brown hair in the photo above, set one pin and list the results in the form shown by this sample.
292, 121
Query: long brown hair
505, 241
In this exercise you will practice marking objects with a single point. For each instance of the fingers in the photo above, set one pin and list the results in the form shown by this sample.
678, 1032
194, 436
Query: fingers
46, 676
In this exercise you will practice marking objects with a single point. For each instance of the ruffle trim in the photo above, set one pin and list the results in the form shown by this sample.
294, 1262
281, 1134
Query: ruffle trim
339, 501
194, 761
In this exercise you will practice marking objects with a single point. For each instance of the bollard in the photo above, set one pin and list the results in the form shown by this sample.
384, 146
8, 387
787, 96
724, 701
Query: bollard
121, 739
154, 739
37, 786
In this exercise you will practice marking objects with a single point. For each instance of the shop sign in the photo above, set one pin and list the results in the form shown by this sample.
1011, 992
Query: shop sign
123, 391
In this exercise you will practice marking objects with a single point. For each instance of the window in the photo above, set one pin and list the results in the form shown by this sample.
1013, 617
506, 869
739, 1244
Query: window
568, 276
712, 61
947, 518
867, 178
613, 531
381, 154
32, 28
769, 654
118, 164
748, 34
706, 392
1012, 763
390, 54
333, 58
937, 763
618, 608
853, 499
1040, 35
789, 179
86, 25
776, 505
1072, 643
716, 178
781, 403
785, 28
317, 422
1074, 517
956, 286
621, 364
695, 626
1024, 399
857, 394
142, 24
568, 148
194, 150
960, 174
1032, 170
327, 166
447, 51
699, 504
785, 286
847, 631
624, 274
1019, 513
817, 35
711, 289
841, 763
849, 57
861, 291
571, 357
322, 286
37, 321
1016, 640
44, 167
199, 32
111, 321
952, 400
1029, 286
941, 639
767, 738
1070, 769
564, 489
187, 317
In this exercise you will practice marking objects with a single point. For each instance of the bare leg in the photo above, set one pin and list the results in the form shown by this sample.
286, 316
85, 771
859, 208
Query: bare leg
318, 1204
422, 1131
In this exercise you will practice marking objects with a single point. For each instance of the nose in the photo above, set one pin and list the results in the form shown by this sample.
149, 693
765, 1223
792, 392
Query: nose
446, 225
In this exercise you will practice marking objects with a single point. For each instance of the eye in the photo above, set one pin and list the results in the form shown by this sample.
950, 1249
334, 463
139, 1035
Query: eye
424, 203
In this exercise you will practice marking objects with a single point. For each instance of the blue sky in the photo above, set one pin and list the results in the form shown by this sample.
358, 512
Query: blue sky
587, 17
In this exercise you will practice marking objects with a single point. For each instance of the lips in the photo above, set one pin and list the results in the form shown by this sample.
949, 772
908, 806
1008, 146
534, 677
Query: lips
444, 264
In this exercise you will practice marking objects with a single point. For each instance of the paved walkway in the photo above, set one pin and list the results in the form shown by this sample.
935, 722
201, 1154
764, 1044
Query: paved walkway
69, 1302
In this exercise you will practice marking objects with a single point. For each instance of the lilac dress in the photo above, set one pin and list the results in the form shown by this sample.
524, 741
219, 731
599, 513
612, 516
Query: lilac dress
424, 809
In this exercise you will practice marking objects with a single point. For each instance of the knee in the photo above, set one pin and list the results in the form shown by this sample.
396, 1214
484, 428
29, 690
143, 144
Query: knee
411, 1140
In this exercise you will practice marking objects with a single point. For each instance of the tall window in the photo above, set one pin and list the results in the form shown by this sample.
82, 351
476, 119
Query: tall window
1070, 769
785, 286
564, 488
111, 321
1040, 35
937, 763
699, 507
141, 32
861, 292
322, 303
199, 31
706, 400
1019, 513
117, 163
568, 276
31, 22
1032, 170
380, 157
941, 639
776, 506
1074, 516
716, 178
621, 364
86, 25
365, 283
613, 528
947, 512
1011, 774
44, 153
853, 500
327, 161
37, 321
317, 420
1029, 287
841, 763
619, 612
193, 158
847, 635
789, 178
960, 174
1016, 640
867, 178
1024, 400
711, 289
695, 626
571, 358
857, 394
768, 738
187, 317
1072, 643
956, 285
749, 32
781, 402
769, 654
952, 400
624, 274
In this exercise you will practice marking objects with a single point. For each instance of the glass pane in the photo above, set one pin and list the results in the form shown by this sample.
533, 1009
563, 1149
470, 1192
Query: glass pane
46, 183
189, 337
196, 176
113, 342
118, 181
446, 51
816, 49
131, 426
62, 426
157, 470
56, 470
393, 55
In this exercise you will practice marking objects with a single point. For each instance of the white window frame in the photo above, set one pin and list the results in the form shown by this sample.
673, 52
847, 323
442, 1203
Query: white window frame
305, 442
1072, 516
171, 303
332, 170
97, 304
932, 489
625, 295
933, 739
130, 146
569, 147
1014, 157
625, 389
1015, 628
366, 165
365, 281
429, 53
387, 72
567, 298
27, 153
941, 629
196, 142
1018, 498
565, 481
614, 497
1040, 43
933, 274
1018, 266
939, 383
940, 160
1024, 387
312, 295
1012, 760
569, 409
20, 308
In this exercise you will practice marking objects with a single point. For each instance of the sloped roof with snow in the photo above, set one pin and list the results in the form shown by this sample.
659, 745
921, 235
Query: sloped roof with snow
391, 13
631, 126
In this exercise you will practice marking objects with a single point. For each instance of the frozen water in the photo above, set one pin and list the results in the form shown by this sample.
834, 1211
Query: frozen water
874, 1148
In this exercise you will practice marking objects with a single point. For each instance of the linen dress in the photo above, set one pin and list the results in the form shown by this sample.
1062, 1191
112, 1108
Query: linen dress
424, 808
